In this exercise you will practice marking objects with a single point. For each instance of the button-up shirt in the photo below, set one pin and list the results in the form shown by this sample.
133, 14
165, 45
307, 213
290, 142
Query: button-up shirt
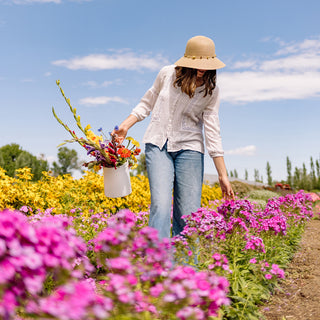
178, 119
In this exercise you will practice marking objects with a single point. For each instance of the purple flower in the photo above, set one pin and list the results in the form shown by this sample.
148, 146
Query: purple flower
30, 250
74, 301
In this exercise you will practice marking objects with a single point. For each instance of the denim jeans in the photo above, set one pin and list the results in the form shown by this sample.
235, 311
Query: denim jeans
180, 171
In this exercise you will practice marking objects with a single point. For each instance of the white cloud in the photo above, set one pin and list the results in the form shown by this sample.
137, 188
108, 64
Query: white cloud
128, 60
243, 151
50, 159
297, 63
294, 76
244, 64
242, 87
47, 74
27, 80
95, 101
95, 84
308, 45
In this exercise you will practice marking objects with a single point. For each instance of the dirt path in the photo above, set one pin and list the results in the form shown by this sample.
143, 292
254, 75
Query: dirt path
299, 296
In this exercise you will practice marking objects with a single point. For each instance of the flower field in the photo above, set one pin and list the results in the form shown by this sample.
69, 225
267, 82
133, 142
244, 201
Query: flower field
68, 252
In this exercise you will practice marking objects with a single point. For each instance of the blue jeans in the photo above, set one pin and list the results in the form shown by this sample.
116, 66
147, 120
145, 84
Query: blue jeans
181, 171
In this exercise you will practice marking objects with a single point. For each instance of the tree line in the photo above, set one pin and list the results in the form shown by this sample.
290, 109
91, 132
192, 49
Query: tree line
298, 178
13, 157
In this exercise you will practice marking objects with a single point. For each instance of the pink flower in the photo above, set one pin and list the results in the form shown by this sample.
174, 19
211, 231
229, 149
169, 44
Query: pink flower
74, 301
119, 263
24, 209
216, 256
8, 303
268, 276
156, 290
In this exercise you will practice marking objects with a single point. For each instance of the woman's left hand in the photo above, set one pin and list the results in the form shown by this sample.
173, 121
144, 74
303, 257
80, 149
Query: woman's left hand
227, 192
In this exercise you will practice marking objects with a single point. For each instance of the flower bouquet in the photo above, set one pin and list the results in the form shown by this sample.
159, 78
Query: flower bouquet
114, 158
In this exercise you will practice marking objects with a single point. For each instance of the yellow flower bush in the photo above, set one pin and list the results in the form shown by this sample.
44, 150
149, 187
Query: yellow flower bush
210, 193
64, 193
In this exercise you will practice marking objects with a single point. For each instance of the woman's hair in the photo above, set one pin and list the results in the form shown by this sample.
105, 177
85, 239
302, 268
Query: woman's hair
186, 79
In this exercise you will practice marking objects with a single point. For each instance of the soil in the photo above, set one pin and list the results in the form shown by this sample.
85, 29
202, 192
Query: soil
298, 297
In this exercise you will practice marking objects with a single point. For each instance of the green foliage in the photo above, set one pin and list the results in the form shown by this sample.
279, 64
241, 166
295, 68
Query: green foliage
235, 173
269, 177
289, 168
12, 157
305, 180
241, 189
262, 195
67, 161
9, 154
256, 176
141, 168
246, 174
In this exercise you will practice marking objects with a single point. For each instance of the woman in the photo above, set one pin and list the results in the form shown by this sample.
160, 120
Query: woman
184, 100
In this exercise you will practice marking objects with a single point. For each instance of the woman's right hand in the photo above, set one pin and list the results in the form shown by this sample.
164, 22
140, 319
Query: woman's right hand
122, 130
120, 133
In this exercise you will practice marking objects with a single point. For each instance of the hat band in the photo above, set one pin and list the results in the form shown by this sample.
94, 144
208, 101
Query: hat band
199, 57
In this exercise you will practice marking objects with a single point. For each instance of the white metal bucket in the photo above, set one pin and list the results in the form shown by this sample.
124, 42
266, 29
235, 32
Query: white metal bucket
117, 181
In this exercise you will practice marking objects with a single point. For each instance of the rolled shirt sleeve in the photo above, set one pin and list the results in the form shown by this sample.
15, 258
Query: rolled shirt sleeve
211, 125
146, 104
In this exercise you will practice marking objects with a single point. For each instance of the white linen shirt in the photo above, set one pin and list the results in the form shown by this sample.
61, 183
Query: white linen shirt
179, 119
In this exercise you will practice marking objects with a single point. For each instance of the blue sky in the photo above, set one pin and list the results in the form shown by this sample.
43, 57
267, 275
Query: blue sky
107, 53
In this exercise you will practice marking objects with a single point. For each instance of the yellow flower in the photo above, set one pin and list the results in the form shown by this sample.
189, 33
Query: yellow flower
134, 142
94, 138
24, 173
96, 168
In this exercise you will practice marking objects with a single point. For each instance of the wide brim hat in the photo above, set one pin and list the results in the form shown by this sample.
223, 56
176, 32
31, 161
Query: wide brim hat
200, 53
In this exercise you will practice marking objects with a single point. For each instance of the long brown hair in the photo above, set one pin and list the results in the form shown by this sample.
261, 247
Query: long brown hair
186, 79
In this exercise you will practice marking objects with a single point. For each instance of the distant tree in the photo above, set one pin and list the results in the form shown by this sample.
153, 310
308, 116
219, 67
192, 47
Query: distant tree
313, 177
9, 154
231, 174
318, 173
304, 176
318, 168
289, 174
142, 166
2, 163
307, 181
235, 173
246, 175
296, 177
256, 175
67, 161
269, 177
37, 165
12, 157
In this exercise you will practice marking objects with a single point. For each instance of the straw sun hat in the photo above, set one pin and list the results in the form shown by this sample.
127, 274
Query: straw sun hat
200, 54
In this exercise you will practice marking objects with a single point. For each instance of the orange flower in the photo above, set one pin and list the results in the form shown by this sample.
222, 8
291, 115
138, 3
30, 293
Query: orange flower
124, 153
137, 151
